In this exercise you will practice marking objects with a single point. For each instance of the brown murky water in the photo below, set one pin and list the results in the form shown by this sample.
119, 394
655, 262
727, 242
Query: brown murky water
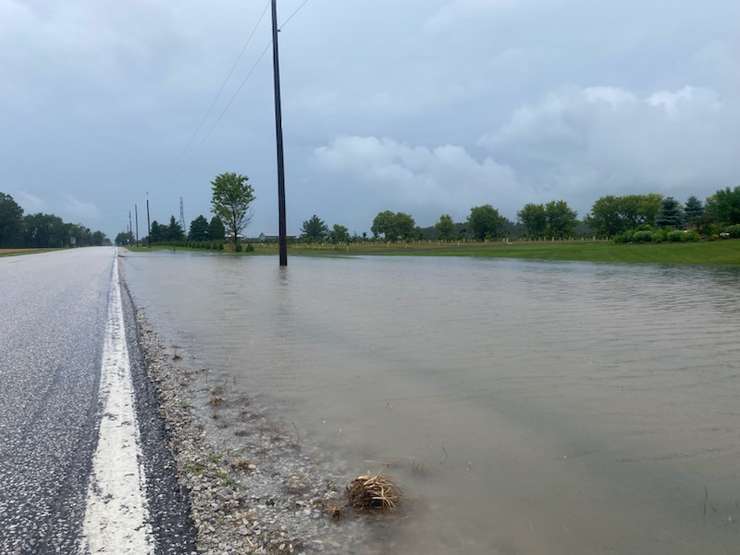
524, 407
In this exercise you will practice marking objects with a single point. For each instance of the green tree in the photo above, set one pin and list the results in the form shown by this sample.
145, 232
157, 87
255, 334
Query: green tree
155, 233
485, 222
385, 224
561, 220
339, 234
670, 214
216, 229
45, 231
445, 228
534, 219
11, 221
124, 238
232, 198
99, 239
612, 215
723, 207
198, 229
693, 211
405, 226
314, 229
174, 231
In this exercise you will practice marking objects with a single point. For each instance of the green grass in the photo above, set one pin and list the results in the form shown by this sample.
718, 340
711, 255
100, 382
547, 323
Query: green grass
18, 252
701, 253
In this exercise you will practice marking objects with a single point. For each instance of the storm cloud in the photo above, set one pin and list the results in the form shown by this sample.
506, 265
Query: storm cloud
423, 106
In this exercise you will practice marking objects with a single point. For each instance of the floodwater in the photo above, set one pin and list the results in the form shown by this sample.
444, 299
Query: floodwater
524, 407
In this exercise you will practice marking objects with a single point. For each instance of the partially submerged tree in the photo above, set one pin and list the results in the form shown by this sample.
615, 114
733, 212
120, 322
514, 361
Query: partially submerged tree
231, 201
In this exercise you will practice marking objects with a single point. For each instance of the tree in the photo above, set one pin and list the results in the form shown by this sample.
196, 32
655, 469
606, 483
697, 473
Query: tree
216, 229
99, 239
445, 228
385, 224
232, 198
670, 214
534, 219
561, 220
612, 215
723, 207
45, 231
155, 233
485, 222
198, 229
693, 211
124, 238
11, 221
174, 231
314, 229
405, 226
339, 234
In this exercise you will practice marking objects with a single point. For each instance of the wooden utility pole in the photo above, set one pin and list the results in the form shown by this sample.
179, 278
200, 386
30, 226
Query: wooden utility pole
148, 224
136, 218
282, 230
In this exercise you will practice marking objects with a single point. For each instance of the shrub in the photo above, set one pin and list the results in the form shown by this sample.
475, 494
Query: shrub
691, 236
676, 236
249, 248
238, 247
733, 231
642, 237
625, 237
658, 236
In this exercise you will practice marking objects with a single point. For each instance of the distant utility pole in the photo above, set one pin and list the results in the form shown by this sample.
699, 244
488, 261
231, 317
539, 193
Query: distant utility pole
130, 229
283, 229
182, 215
148, 224
136, 215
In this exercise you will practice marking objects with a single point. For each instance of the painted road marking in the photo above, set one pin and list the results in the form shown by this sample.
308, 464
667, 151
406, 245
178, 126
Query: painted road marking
117, 516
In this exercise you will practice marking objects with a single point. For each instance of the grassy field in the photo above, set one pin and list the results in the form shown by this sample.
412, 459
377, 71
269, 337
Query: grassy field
16, 252
700, 253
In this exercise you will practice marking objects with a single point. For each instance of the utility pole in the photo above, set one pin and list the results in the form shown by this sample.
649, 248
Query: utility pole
129, 224
148, 224
136, 215
283, 229
182, 215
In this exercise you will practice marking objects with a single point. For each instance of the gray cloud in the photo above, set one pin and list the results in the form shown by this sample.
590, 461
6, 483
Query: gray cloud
421, 105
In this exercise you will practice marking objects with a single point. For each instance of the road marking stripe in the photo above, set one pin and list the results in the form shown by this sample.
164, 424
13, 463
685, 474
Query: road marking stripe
117, 516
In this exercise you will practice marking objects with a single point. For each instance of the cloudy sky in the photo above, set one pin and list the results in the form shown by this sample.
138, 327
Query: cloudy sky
425, 106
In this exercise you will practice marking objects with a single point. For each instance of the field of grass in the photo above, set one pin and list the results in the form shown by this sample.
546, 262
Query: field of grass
699, 253
16, 252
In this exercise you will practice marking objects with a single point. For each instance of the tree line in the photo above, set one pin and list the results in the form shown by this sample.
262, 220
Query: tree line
623, 218
42, 230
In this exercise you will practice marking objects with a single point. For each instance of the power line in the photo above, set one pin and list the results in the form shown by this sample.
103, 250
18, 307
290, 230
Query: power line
295, 13
251, 71
237, 91
221, 89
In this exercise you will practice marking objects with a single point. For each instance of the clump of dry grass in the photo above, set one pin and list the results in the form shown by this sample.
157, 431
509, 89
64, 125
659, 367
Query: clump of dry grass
373, 492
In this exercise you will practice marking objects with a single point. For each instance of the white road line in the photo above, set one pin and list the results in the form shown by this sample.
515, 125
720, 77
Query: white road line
117, 516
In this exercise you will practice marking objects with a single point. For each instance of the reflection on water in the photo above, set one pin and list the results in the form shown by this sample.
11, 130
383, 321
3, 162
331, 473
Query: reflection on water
525, 407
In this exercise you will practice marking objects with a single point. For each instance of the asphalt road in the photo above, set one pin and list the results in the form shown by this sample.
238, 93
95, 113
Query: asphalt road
53, 313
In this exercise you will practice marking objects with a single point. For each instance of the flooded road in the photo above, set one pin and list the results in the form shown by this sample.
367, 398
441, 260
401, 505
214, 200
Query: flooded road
523, 407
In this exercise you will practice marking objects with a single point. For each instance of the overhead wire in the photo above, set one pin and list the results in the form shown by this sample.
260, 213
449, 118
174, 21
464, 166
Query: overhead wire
226, 79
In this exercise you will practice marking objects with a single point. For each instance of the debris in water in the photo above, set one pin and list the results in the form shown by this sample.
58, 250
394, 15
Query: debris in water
373, 492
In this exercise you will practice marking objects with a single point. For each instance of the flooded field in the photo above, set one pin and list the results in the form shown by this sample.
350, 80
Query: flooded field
524, 407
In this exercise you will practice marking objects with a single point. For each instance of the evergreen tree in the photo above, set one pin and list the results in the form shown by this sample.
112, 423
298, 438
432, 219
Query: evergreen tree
174, 230
670, 214
314, 229
216, 229
694, 210
198, 229
155, 233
